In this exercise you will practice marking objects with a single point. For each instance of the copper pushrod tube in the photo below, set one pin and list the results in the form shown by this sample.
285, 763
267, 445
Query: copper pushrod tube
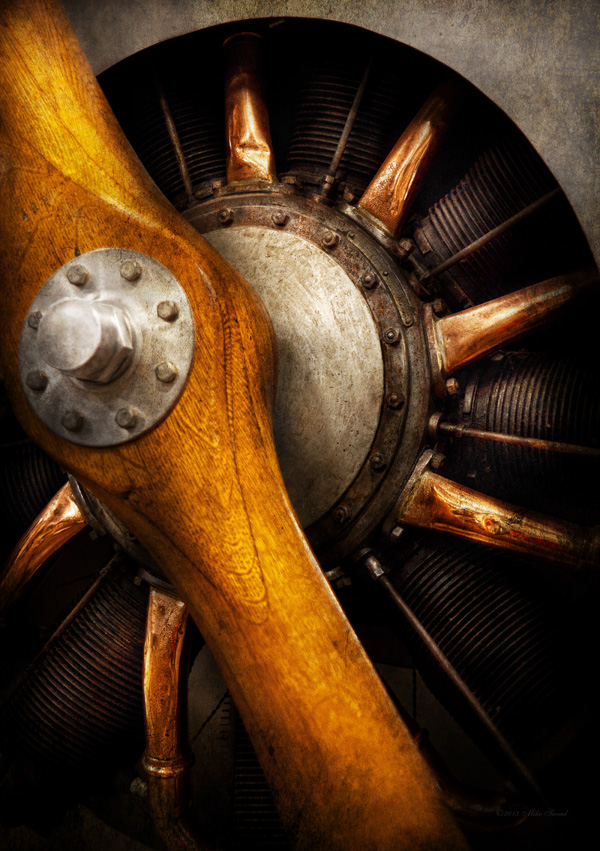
248, 136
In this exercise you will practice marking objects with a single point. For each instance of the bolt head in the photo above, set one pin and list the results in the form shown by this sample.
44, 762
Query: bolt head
168, 310
351, 234
127, 417
438, 307
341, 515
34, 319
36, 380
73, 420
225, 216
131, 270
452, 386
391, 336
369, 280
396, 534
329, 239
378, 462
395, 400
407, 245
166, 372
279, 218
77, 275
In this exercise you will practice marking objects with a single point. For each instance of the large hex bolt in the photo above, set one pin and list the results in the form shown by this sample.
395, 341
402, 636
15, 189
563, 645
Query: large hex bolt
86, 340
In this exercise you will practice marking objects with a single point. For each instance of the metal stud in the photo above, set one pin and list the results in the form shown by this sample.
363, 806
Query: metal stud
37, 380
73, 420
341, 515
378, 462
391, 336
131, 270
166, 372
127, 417
369, 280
77, 275
225, 216
329, 239
168, 310
279, 218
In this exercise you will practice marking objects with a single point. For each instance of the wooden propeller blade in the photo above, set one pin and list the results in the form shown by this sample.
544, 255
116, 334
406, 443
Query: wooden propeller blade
203, 490
463, 337
249, 149
431, 501
60, 521
389, 196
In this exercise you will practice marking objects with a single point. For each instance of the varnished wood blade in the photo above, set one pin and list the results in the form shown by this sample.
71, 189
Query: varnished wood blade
431, 501
463, 337
389, 196
203, 491
60, 521
249, 149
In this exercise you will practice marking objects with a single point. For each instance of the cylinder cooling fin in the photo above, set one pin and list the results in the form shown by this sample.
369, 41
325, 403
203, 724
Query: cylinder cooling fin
514, 632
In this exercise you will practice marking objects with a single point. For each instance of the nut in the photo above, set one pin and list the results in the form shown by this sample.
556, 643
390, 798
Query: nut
77, 275
73, 420
391, 336
452, 386
168, 310
341, 515
378, 462
36, 380
225, 216
127, 417
279, 218
131, 270
329, 239
438, 307
166, 372
369, 280
395, 400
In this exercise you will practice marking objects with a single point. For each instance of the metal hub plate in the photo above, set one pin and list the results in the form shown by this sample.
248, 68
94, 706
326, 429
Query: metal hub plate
107, 414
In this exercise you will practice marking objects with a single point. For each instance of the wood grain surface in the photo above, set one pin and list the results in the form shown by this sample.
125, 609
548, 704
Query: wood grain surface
203, 490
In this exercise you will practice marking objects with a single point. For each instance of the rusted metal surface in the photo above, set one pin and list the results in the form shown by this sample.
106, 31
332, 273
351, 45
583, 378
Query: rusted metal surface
249, 149
389, 196
463, 337
60, 521
433, 502
167, 758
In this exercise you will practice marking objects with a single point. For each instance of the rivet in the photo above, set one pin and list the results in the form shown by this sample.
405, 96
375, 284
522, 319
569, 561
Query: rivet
369, 280
452, 386
168, 310
36, 380
395, 400
279, 218
225, 216
391, 336
341, 515
329, 239
166, 372
73, 421
378, 462
130, 270
77, 275
127, 417
34, 319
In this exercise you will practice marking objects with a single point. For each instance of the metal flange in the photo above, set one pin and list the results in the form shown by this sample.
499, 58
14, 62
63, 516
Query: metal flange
106, 347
